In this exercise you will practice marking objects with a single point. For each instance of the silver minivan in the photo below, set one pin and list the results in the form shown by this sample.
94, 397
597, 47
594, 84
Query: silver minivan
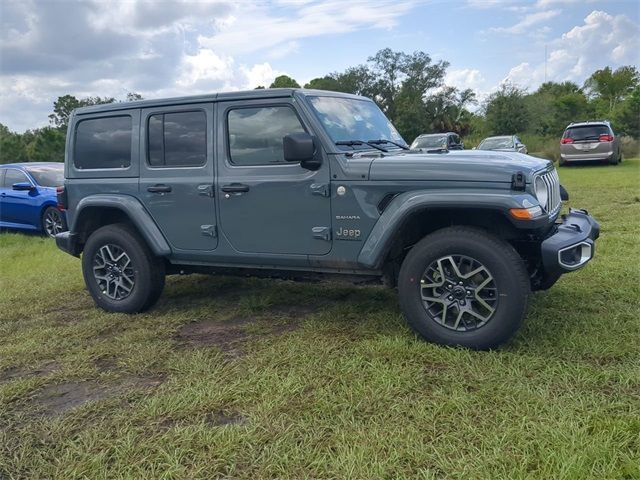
590, 141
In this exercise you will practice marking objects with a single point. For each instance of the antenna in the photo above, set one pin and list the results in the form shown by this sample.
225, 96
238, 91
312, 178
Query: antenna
545, 64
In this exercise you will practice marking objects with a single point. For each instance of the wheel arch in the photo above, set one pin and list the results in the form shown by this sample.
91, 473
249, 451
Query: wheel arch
43, 207
99, 210
411, 216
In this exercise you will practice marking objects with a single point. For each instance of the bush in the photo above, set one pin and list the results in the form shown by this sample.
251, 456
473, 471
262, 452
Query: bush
630, 147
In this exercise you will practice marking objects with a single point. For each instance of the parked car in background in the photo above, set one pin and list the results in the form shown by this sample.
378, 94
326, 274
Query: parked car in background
590, 141
28, 197
438, 141
504, 143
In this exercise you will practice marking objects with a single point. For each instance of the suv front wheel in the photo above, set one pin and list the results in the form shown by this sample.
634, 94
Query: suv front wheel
461, 286
120, 271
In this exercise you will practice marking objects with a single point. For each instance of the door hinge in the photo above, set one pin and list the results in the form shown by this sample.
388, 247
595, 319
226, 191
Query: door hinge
321, 189
322, 233
209, 230
206, 190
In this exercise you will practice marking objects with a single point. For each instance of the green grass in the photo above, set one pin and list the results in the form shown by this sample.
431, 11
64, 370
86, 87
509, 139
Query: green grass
268, 379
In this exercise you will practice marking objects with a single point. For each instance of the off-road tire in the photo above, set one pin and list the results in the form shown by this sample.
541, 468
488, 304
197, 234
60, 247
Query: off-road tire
148, 270
507, 269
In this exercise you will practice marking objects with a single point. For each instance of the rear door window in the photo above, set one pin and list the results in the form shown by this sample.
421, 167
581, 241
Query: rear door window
586, 132
103, 142
177, 139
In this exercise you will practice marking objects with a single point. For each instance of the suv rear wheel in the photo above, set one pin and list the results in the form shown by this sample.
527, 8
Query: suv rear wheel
120, 271
461, 286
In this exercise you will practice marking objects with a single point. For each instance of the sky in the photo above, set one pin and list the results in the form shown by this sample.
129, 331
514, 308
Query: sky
160, 48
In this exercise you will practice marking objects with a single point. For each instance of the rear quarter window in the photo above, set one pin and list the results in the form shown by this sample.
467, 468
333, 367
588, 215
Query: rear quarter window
103, 142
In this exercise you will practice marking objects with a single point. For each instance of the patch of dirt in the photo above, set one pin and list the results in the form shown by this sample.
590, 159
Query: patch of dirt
213, 419
13, 373
57, 399
220, 419
106, 364
296, 311
228, 335
71, 312
107, 333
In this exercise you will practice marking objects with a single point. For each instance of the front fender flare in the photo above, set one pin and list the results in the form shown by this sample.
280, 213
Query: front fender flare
406, 204
134, 210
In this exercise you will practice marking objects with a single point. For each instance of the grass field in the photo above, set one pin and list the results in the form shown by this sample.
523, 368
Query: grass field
268, 379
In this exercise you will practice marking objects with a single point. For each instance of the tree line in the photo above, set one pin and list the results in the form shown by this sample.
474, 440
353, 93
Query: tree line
410, 88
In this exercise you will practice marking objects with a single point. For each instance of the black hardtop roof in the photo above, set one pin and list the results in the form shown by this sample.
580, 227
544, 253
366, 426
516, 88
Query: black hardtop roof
222, 96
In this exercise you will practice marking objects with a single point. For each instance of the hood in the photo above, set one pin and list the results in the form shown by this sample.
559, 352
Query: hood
456, 165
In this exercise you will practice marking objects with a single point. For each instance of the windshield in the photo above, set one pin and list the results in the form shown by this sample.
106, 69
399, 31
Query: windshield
351, 119
497, 142
432, 141
587, 132
48, 176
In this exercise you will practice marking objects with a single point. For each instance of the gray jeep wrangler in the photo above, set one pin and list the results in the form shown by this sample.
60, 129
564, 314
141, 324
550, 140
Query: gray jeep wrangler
297, 184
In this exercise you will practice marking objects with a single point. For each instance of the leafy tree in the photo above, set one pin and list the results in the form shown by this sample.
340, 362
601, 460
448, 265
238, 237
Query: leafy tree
11, 146
357, 80
506, 111
554, 105
284, 81
412, 74
325, 83
133, 97
612, 86
627, 115
64, 105
45, 145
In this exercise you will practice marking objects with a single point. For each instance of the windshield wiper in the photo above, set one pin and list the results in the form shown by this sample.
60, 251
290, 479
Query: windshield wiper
351, 143
383, 140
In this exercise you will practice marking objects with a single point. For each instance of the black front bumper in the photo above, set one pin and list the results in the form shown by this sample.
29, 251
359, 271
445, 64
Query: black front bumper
68, 242
571, 244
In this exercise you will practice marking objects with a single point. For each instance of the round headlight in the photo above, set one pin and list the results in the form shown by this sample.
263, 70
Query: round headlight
541, 192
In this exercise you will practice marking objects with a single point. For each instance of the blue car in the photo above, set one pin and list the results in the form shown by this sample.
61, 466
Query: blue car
28, 197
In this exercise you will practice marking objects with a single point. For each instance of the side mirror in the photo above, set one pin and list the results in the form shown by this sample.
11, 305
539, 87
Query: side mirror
23, 186
300, 148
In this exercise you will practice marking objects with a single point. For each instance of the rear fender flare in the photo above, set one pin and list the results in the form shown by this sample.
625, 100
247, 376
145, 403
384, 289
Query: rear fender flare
136, 213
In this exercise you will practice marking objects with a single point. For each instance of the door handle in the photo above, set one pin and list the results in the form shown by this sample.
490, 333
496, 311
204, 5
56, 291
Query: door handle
235, 188
159, 189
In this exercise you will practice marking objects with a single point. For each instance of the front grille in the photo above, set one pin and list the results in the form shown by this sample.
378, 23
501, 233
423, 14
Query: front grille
552, 183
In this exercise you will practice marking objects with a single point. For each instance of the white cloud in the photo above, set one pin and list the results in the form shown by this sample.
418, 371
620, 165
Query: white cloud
465, 78
283, 50
110, 47
528, 21
330, 17
549, 3
205, 65
259, 75
602, 40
